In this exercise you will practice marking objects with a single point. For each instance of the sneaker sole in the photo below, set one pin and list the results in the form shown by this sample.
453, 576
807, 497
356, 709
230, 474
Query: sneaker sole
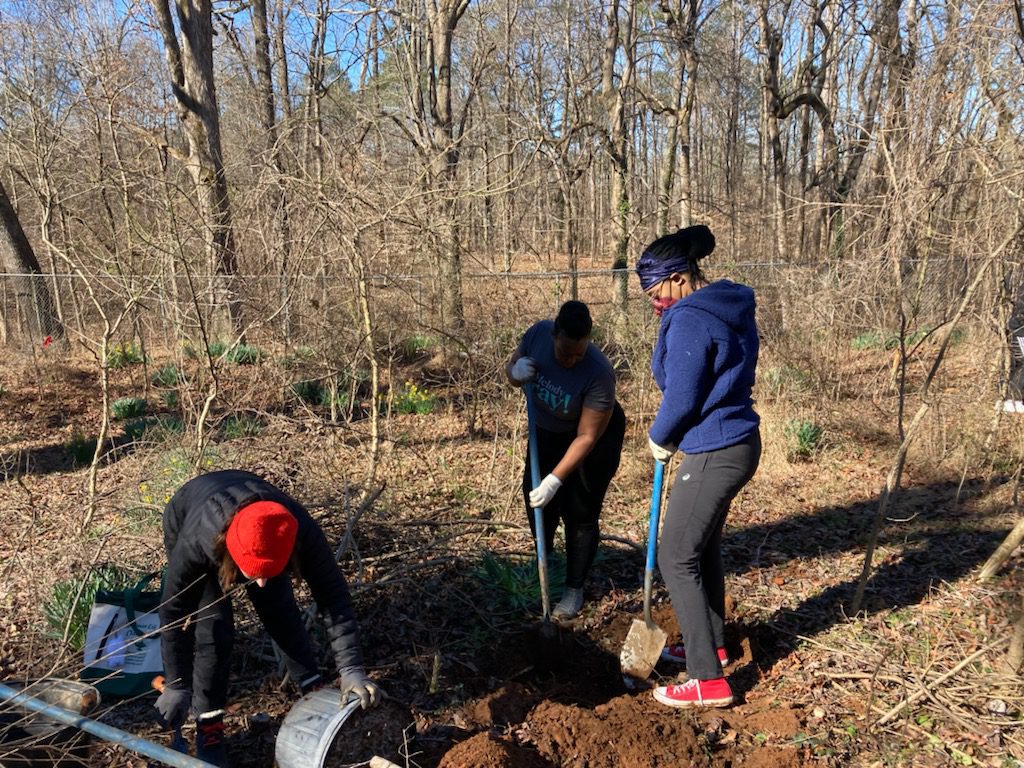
725, 702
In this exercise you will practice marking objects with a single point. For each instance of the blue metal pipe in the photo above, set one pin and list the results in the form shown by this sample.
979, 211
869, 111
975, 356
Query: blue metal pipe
100, 730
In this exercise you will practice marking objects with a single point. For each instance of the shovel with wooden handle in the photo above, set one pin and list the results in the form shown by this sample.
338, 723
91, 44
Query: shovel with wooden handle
547, 630
642, 648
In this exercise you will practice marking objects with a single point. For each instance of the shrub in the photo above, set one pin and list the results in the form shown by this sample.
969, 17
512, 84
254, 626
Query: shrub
81, 448
167, 376
241, 425
70, 601
124, 356
803, 437
128, 408
412, 399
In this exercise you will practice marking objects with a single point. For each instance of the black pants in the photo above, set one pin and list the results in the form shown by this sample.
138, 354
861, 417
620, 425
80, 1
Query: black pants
690, 553
578, 502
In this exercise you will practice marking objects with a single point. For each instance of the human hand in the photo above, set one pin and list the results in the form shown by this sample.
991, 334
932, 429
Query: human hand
524, 369
355, 680
661, 452
543, 493
173, 705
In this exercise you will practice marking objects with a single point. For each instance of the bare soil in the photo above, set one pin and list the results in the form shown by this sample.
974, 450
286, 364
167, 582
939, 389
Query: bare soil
460, 664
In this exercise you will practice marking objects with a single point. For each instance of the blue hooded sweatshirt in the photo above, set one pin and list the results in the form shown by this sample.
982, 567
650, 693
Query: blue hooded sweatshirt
704, 364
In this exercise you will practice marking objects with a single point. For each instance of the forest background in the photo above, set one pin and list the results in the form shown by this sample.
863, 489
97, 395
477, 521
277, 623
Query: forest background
267, 219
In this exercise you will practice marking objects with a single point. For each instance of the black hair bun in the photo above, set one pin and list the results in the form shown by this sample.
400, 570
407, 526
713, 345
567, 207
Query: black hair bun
695, 242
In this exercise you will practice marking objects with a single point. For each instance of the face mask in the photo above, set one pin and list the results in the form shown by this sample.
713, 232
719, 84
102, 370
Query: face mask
661, 303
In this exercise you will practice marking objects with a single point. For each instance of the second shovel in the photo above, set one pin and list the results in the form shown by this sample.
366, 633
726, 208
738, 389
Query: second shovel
643, 645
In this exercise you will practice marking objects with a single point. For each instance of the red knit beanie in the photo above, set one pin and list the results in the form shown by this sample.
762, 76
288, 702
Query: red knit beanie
260, 539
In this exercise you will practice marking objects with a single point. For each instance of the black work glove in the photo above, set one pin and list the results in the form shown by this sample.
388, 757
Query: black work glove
354, 680
174, 705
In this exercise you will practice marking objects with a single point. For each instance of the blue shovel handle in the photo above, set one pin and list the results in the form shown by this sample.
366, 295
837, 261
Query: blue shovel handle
538, 512
652, 538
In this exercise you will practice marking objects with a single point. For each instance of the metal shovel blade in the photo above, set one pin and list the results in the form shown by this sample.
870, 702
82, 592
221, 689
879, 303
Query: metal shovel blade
645, 639
642, 649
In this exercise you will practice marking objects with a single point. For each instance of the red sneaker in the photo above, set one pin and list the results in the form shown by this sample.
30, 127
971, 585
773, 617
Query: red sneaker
677, 654
696, 693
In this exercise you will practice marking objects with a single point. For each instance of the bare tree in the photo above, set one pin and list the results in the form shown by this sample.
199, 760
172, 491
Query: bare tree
190, 63
18, 257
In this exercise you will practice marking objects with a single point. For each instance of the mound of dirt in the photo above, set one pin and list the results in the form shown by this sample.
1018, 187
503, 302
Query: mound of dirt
625, 731
506, 706
486, 750
378, 731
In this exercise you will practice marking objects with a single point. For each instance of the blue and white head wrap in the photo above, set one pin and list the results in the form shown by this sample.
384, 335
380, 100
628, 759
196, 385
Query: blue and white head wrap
677, 252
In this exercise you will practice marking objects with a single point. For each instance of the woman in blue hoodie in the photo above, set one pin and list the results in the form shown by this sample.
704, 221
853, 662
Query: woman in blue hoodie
704, 363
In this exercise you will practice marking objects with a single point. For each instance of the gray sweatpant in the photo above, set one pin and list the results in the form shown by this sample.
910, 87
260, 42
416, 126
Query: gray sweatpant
690, 552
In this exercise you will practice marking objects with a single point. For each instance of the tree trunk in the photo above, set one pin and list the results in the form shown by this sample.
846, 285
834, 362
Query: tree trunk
190, 61
30, 288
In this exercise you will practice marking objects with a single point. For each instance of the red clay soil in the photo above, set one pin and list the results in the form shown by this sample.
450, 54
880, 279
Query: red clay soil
485, 750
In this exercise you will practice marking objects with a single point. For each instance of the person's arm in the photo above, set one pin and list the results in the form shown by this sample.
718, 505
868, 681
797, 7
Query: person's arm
183, 587
592, 425
686, 373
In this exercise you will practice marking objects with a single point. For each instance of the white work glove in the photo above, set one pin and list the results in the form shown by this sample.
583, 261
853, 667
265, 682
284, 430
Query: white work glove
523, 370
661, 452
545, 492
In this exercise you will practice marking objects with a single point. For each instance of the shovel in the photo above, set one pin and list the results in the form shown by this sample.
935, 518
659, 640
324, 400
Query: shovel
547, 630
645, 640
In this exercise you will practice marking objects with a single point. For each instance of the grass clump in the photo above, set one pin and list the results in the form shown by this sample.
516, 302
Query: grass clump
128, 408
125, 356
167, 376
785, 378
155, 429
241, 425
309, 391
513, 581
70, 602
803, 438
411, 399
867, 340
417, 344
81, 448
244, 354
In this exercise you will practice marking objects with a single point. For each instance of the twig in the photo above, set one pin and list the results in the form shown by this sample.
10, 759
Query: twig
923, 691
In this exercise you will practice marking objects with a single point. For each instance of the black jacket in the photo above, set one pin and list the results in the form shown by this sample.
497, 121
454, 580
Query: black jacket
195, 516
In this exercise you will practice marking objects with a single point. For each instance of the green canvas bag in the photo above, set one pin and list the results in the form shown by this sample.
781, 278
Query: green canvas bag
122, 642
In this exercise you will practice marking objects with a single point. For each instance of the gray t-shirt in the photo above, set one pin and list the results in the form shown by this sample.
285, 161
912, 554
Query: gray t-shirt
560, 393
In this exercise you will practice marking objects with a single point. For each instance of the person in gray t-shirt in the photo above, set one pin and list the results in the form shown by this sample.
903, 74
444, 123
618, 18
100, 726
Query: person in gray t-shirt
580, 429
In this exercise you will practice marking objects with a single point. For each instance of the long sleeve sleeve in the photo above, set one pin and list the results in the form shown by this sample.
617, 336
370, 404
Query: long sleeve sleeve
686, 368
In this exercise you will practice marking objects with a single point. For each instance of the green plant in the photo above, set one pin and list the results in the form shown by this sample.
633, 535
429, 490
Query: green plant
124, 355
803, 437
297, 357
128, 408
174, 468
514, 581
867, 340
217, 349
241, 425
70, 601
309, 391
167, 376
411, 399
244, 354
135, 430
785, 378
170, 399
417, 343
81, 448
